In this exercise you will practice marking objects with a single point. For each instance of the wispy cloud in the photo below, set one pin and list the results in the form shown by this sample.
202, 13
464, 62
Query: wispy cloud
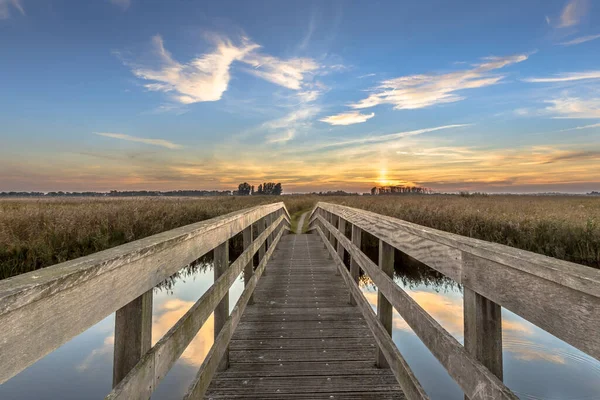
153, 142
573, 12
420, 91
124, 4
285, 128
287, 73
391, 136
349, 118
574, 107
580, 40
5, 6
578, 128
204, 78
566, 77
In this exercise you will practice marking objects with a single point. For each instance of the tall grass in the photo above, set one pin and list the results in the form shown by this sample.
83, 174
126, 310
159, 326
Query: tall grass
564, 227
36, 233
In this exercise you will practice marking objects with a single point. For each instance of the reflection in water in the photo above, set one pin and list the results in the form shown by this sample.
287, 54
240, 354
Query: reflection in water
536, 364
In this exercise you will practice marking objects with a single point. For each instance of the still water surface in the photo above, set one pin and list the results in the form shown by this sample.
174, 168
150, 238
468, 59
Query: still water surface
536, 364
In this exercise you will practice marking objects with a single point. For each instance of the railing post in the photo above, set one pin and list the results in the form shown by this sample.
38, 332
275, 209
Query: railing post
354, 268
483, 331
333, 222
133, 335
221, 261
260, 228
249, 268
340, 248
384, 308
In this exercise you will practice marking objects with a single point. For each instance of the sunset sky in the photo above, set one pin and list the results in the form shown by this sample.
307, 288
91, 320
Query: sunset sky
498, 96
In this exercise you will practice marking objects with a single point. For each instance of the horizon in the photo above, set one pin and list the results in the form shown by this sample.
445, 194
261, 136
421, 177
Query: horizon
501, 97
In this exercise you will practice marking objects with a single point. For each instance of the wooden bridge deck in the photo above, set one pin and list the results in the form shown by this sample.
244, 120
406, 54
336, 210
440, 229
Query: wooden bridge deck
301, 338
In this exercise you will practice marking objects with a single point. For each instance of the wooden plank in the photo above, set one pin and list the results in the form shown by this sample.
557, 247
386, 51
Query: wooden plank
384, 308
402, 371
301, 339
249, 268
531, 285
354, 267
483, 331
156, 363
475, 379
133, 335
211, 362
221, 313
41, 310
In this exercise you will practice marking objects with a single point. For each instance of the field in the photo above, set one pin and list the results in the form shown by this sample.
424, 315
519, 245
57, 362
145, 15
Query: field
38, 233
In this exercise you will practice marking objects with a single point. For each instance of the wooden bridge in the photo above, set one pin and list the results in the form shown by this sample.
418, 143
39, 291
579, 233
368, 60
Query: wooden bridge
301, 328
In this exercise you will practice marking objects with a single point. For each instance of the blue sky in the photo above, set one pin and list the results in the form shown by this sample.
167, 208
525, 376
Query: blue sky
128, 94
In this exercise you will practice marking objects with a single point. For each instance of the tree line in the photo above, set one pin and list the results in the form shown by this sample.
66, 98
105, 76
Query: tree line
266, 188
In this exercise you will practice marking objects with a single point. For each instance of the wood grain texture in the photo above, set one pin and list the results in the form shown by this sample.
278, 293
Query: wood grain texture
211, 363
133, 335
354, 266
475, 379
249, 268
41, 310
385, 311
400, 368
221, 313
156, 363
301, 338
531, 285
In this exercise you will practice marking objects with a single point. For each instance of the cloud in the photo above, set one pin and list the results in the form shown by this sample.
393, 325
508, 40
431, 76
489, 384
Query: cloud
309, 95
388, 137
124, 4
287, 73
574, 107
5, 7
153, 142
573, 12
567, 77
580, 40
285, 128
578, 128
420, 91
204, 78
349, 118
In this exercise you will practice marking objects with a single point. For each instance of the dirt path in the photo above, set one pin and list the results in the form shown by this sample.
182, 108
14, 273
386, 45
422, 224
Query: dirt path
301, 223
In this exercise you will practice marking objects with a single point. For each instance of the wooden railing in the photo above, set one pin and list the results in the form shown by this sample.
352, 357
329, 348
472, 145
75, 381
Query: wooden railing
560, 297
41, 310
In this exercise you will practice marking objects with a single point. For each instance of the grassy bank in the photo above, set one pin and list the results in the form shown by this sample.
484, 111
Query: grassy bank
38, 233
564, 227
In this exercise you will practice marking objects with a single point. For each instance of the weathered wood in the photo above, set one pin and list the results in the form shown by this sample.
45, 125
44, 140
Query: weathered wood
530, 285
41, 310
476, 380
354, 267
403, 373
133, 335
221, 263
260, 228
211, 363
483, 331
342, 229
384, 308
249, 268
154, 366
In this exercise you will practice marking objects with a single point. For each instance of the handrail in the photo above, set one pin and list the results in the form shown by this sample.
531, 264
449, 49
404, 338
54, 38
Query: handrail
493, 275
404, 375
41, 310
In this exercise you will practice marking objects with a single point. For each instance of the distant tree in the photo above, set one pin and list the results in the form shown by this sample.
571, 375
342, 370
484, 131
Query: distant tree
277, 190
252, 189
244, 189
260, 189
270, 189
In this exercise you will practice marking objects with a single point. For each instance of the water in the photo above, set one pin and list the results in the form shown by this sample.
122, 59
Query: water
536, 364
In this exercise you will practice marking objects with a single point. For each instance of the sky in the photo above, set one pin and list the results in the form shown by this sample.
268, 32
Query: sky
494, 96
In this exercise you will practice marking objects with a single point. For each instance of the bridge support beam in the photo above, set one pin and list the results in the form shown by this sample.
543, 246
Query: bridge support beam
384, 308
221, 260
340, 248
260, 228
249, 268
483, 331
133, 335
354, 267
